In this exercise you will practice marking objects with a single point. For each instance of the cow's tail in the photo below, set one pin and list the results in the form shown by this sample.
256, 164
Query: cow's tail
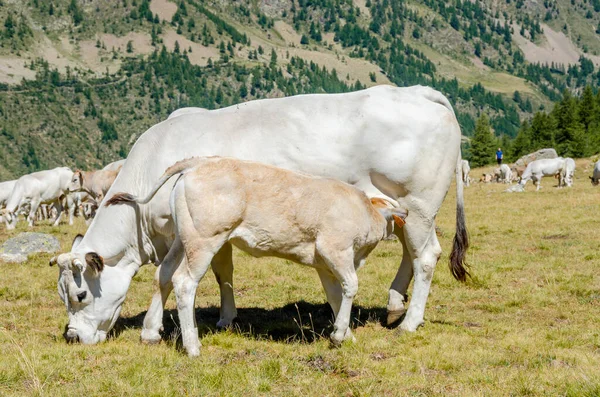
458, 265
177, 168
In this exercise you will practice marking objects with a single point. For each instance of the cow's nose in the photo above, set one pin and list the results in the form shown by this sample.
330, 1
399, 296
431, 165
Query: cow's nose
71, 336
81, 296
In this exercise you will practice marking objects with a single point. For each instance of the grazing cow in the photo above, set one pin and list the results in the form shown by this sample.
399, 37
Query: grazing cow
465, 169
567, 176
43, 187
6, 189
595, 178
485, 178
268, 211
505, 174
517, 172
538, 169
95, 183
402, 144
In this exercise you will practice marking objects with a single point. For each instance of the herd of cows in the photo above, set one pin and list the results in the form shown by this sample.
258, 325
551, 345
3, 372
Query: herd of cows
43, 194
318, 179
562, 169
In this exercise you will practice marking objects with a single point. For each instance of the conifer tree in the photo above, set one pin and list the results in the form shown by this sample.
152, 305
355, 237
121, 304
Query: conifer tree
482, 143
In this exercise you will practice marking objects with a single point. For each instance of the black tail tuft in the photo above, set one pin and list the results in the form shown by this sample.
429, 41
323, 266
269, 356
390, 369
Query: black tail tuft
458, 265
120, 198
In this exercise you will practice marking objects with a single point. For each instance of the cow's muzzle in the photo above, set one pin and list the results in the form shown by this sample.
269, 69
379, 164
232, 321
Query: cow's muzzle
71, 336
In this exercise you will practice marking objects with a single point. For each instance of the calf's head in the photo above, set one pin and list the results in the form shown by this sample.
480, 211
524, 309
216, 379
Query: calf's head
76, 183
594, 181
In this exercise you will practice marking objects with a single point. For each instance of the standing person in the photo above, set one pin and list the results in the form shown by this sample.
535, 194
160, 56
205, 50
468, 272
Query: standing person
499, 156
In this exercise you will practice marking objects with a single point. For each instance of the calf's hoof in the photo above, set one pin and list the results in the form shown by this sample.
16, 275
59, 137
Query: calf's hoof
410, 326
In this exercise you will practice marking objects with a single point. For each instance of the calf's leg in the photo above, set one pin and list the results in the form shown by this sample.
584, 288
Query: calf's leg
222, 266
341, 265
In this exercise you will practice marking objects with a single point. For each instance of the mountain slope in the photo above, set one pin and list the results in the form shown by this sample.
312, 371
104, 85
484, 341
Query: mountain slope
96, 74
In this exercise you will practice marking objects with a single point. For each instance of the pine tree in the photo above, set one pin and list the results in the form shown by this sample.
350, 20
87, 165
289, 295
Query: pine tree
482, 143
587, 108
522, 143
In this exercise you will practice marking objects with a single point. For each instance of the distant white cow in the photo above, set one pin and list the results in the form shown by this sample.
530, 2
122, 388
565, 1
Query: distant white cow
566, 177
538, 169
596, 175
6, 189
465, 168
268, 211
505, 173
43, 187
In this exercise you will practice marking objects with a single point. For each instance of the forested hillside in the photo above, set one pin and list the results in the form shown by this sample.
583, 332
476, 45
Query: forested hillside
80, 80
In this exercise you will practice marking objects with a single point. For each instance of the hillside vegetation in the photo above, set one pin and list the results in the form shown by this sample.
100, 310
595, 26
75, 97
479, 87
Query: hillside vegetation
81, 80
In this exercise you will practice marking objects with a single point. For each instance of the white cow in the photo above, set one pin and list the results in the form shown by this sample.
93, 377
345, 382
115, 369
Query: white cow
538, 169
567, 176
182, 111
268, 211
6, 189
465, 169
505, 173
43, 187
400, 144
596, 174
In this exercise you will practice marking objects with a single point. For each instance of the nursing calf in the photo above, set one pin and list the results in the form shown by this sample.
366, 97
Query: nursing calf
267, 211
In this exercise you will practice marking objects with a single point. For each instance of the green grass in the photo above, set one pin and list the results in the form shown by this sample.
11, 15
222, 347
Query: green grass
526, 325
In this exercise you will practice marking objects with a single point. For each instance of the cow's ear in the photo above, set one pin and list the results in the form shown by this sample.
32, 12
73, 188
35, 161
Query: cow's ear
95, 262
77, 240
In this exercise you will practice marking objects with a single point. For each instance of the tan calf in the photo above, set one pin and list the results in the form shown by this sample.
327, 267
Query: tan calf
95, 183
268, 211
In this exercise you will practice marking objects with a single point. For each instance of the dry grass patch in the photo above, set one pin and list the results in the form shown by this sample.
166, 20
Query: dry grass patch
527, 324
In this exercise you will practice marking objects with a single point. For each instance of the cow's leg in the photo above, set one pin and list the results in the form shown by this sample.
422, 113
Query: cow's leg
153, 321
71, 207
341, 266
397, 294
222, 266
32, 211
59, 207
425, 249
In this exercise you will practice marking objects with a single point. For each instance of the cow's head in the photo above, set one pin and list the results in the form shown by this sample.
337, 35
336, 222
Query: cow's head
76, 183
80, 290
595, 181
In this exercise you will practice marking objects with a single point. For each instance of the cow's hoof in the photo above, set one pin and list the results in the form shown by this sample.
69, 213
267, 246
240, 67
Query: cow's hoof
150, 337
407, 326
393, 316
224, 323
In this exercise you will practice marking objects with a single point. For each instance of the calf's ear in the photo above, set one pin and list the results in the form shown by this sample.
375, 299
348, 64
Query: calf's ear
52, 261
95, 262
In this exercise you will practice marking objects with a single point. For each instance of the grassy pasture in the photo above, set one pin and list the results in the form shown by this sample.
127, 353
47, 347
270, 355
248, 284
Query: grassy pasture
527, 324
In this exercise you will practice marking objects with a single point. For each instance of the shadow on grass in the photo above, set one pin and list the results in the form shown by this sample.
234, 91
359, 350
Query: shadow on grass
300, 321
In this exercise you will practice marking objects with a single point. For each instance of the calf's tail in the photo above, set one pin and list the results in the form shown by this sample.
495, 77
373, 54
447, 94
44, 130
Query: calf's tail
177, 168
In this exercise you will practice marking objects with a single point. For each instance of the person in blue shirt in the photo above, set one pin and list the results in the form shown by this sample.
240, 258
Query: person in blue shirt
499, 156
